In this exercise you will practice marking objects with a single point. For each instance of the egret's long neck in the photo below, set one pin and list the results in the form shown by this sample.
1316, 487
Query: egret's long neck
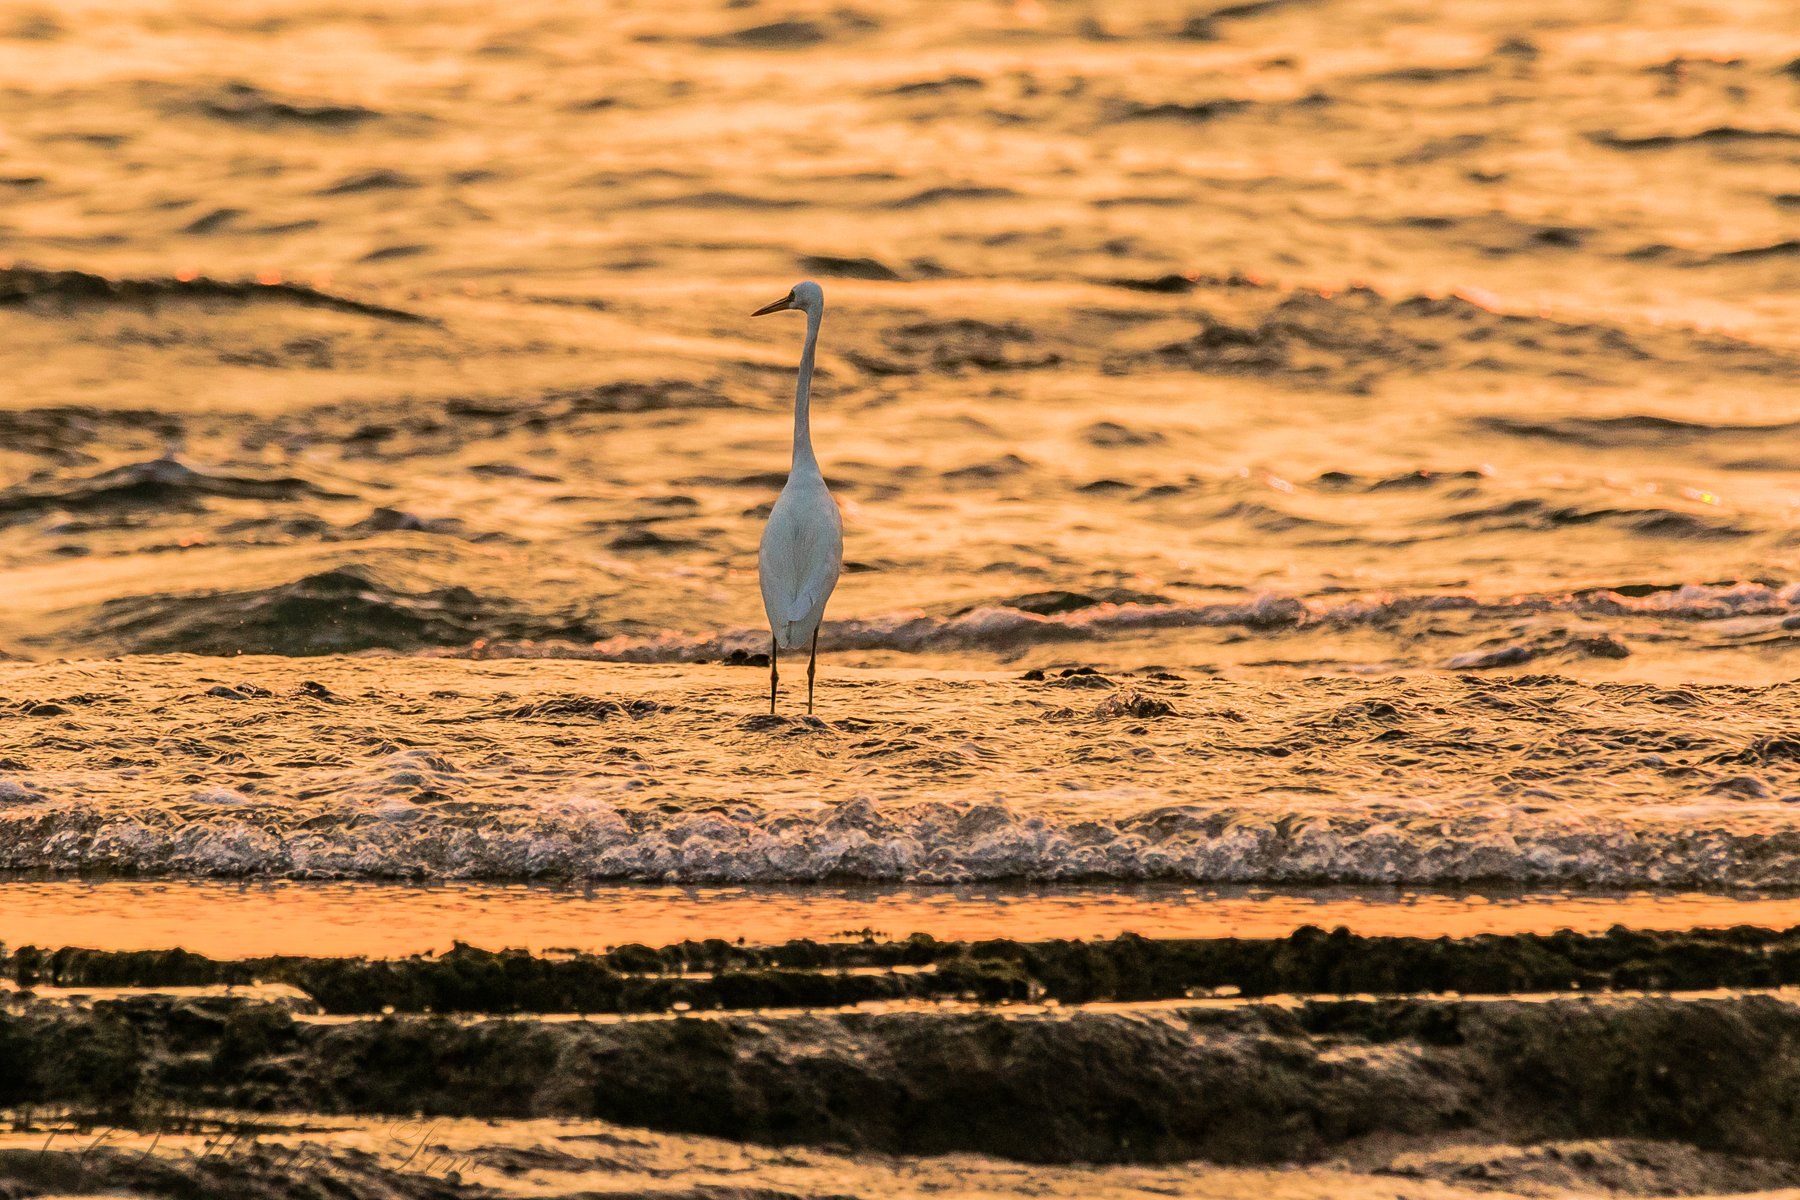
803, 451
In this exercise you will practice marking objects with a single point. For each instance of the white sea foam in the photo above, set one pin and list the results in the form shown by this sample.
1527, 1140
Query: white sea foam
1694, 846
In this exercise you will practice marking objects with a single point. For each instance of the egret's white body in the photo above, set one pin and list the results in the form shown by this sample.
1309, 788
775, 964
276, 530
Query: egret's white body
803, 543
802, 551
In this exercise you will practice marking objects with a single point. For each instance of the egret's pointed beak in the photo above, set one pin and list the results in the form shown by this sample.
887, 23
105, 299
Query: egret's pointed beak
780, 304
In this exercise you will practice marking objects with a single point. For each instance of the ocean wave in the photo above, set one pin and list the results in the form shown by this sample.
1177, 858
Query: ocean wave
1532, 514
998, 626
36, 286
1713, 135
163, 484
241, 103
375, 595
1242, 325
1635, 430
341, 609
929, 842
1315, 333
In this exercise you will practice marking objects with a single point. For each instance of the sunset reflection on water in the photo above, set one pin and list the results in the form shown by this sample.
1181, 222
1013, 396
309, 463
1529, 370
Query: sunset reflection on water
225, 920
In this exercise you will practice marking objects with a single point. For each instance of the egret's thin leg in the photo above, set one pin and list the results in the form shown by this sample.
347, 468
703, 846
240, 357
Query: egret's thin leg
774, 647
812, 667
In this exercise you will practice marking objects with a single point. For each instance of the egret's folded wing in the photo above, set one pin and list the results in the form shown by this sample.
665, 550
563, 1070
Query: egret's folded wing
814, 590
823, 561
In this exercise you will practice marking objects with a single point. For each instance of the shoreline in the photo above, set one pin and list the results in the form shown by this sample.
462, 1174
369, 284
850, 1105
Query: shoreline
428, 769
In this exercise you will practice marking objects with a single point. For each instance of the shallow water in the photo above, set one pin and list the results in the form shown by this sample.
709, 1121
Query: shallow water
434, 769
1316, 377
222, 920
1291, 340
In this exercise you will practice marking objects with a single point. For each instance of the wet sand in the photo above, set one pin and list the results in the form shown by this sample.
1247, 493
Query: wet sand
1426, 1089
230, 1156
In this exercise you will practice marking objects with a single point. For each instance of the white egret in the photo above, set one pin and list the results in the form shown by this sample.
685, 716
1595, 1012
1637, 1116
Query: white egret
803, 543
